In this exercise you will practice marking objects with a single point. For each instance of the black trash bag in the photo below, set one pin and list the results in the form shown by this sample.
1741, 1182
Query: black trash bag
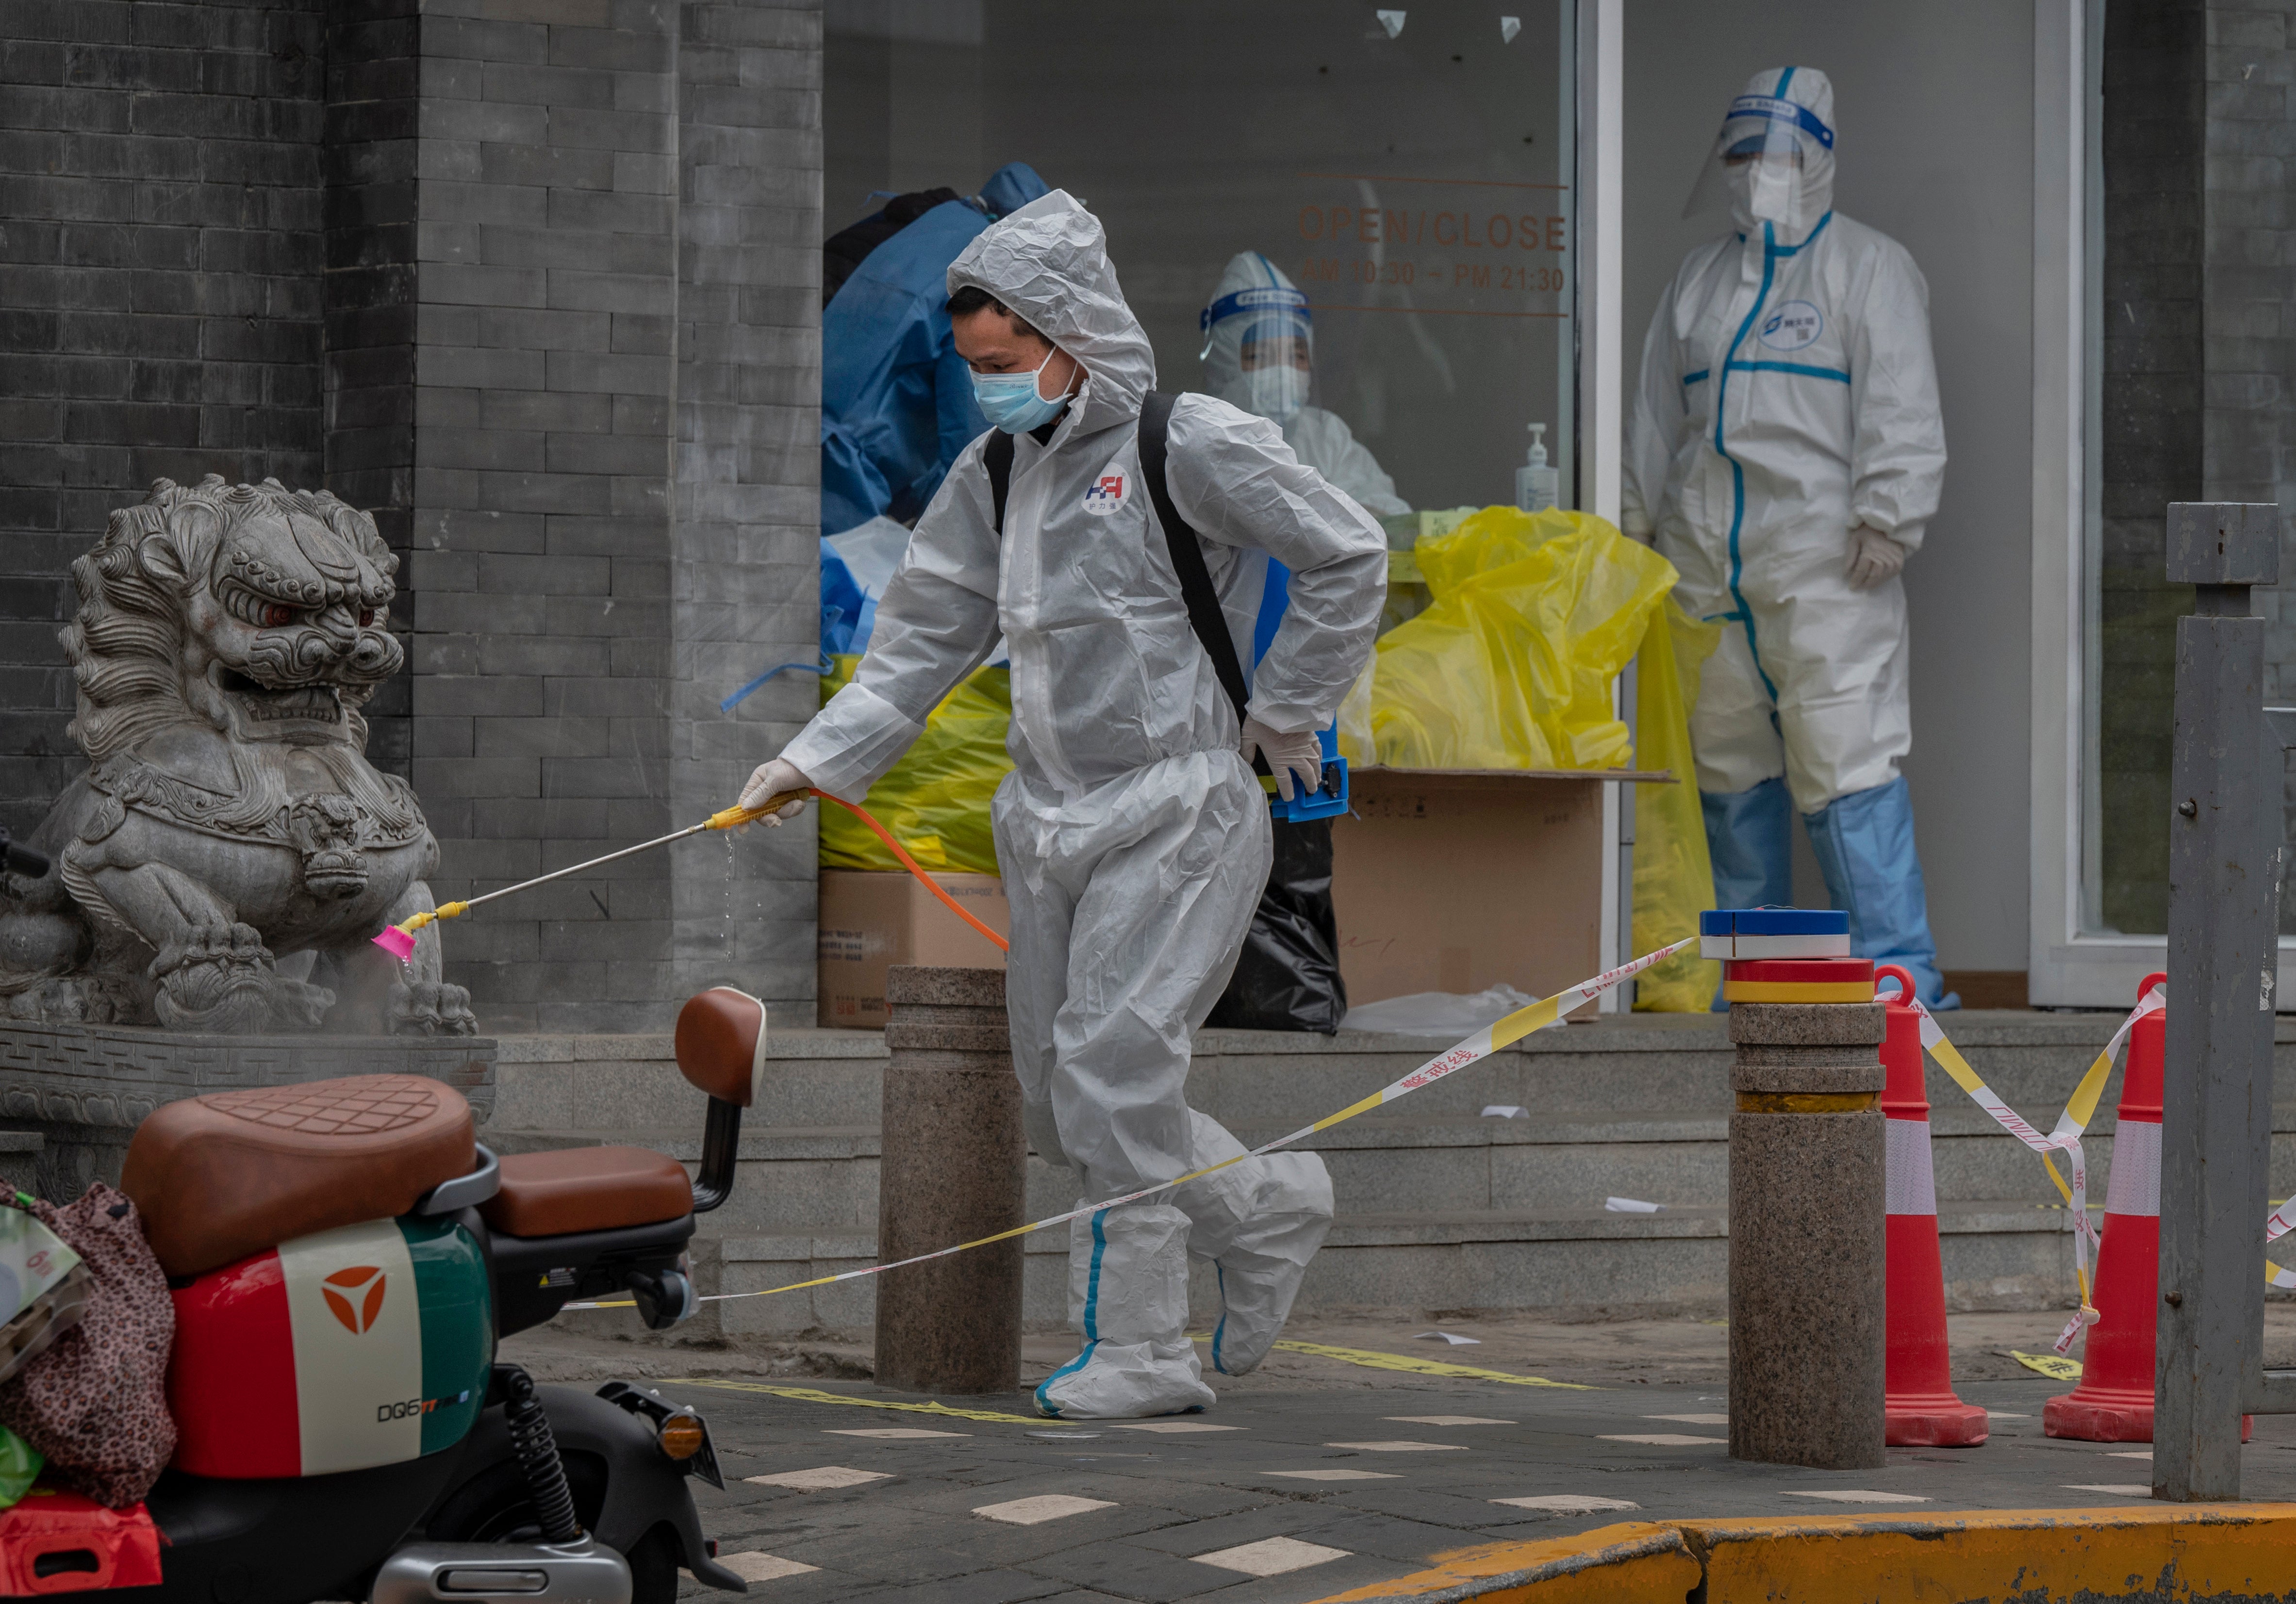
1288, 976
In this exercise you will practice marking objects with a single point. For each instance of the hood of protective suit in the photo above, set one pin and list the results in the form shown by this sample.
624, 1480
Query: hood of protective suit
1786, 115
1254, 300
1048, 262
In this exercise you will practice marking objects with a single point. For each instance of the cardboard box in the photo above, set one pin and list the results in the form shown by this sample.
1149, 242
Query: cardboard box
1453, 881
872, 919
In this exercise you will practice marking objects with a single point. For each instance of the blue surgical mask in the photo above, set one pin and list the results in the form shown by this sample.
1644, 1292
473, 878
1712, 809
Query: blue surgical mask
1010, 403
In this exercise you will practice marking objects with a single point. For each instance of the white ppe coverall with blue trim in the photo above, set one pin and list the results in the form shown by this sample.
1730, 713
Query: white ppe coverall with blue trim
1133, 836
1789, 394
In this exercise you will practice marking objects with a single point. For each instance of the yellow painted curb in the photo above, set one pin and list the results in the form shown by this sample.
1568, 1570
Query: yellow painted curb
1639, 1562
2154, 1553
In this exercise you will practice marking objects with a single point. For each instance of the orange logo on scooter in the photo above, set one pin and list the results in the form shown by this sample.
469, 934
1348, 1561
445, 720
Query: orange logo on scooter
356, 1319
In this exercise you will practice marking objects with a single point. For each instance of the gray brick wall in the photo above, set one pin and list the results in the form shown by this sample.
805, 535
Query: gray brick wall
536, 282
159, 297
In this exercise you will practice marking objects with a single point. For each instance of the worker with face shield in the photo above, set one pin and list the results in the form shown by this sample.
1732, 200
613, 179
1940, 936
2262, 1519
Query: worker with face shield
1132, 833
1258, 353
1786, 454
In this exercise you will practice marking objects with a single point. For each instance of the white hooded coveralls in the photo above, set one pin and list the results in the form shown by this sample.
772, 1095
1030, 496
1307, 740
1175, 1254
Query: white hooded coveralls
1788, 394
1133, 837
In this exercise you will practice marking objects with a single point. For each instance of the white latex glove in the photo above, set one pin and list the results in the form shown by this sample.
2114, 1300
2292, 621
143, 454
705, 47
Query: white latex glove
1295, 760
770, 779
1873, 557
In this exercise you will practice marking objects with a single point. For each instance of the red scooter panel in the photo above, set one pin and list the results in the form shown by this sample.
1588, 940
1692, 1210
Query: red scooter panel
366, 1345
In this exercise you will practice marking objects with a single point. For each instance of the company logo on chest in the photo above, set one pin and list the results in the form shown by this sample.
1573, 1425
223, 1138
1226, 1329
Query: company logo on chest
1107, 492
1792, 326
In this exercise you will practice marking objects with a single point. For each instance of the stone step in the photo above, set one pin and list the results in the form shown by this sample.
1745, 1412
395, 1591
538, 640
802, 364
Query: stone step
1680, 1063
1996, 1256
1440, 1207
827, 1177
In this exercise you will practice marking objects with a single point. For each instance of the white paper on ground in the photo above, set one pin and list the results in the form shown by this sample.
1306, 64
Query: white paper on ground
1505, 1111
1454, 1340
1631, 1206
1438, 1013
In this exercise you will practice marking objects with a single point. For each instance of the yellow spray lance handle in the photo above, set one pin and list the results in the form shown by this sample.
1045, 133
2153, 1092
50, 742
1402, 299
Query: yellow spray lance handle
732, 817
449, 909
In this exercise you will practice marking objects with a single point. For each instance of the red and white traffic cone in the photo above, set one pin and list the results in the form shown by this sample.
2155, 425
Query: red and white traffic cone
1922, 1410
2113, 1403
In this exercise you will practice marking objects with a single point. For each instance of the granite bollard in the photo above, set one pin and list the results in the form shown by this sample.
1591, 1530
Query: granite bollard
1809, 1235
954, 1169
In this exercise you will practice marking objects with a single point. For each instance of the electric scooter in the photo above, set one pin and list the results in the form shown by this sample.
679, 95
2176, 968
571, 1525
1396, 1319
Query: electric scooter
292, 1483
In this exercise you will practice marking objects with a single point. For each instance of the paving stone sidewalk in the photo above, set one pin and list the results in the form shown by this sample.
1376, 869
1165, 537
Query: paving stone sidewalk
1292, 1489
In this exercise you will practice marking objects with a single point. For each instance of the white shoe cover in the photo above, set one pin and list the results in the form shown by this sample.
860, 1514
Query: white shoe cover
1129, 1295
1259, 1221
1260, 1273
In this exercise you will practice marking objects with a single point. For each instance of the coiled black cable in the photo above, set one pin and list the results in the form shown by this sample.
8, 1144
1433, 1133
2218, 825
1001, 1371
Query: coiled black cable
537, 1457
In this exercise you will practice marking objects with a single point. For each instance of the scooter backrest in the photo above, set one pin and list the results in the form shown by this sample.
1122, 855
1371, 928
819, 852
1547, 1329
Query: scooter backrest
721, 1044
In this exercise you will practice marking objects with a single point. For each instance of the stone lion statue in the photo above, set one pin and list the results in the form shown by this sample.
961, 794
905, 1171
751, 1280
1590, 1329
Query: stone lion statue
228, 854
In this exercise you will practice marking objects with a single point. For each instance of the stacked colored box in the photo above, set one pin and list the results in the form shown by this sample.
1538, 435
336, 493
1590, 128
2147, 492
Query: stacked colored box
1732, 933
1797, 980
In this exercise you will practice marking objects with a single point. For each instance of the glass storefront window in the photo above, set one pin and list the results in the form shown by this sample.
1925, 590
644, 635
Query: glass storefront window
1411, 171
2192, 271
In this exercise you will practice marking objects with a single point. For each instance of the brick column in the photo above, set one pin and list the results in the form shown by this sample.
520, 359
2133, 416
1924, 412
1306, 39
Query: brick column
616, 443
745, 577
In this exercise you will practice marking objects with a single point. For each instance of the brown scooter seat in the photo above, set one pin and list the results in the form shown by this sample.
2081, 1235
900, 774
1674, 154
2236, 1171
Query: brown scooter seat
218, 1177
568, 1190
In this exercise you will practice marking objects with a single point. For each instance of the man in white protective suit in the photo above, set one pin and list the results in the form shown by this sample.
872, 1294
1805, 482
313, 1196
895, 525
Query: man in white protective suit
1785, 454
1259, 352
1132, 833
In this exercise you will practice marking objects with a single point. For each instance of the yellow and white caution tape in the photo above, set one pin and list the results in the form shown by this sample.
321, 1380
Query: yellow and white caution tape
2277, 1224
814, 1395
1512, 1028
1372, 1359
2055, 1367
2079, 1109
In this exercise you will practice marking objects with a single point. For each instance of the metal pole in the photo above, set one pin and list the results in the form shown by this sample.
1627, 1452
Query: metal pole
2223, 948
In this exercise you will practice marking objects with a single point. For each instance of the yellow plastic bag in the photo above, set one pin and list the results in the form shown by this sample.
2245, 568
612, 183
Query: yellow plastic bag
1674, 878
1511, 665
935, 800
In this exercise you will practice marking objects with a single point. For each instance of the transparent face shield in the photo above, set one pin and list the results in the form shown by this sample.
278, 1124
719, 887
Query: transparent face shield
1259, 350
1278, 362
1771, 161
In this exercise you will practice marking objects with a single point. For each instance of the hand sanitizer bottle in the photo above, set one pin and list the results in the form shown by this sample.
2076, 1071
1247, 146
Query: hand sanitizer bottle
1536, 486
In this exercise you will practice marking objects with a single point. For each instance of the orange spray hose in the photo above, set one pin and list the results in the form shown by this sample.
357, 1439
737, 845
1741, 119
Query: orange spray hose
910, 864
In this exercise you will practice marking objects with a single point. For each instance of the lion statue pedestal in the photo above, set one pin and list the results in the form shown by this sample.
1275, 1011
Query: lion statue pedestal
72, 1094
222, 866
